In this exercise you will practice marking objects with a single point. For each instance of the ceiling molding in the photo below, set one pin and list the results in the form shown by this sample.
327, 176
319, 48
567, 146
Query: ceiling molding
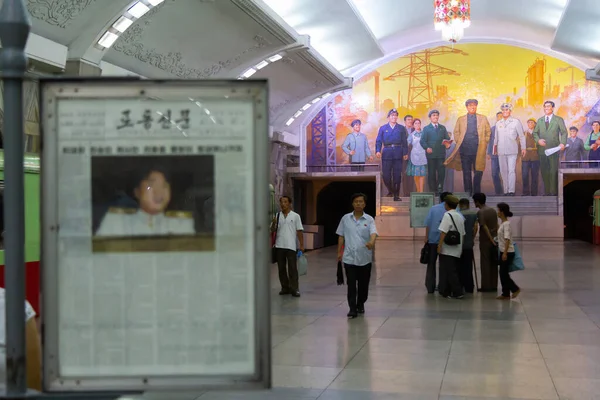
284, 51
274, 25
59, 13
319, 64
84, 47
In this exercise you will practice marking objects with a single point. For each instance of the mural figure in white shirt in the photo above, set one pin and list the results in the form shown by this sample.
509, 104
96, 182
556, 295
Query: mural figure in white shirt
509, 133
153, 194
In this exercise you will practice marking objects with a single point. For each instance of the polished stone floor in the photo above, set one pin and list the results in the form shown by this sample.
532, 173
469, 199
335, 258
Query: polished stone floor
410, 345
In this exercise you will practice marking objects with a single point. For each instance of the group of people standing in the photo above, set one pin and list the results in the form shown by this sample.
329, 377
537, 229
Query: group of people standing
456, 258
429, 150
450, 236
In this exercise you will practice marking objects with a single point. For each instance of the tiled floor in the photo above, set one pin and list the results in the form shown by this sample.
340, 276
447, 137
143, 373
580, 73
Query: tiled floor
410, 345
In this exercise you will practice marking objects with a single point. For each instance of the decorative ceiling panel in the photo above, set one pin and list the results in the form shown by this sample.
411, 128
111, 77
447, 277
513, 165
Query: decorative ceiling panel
60, 13
192, 39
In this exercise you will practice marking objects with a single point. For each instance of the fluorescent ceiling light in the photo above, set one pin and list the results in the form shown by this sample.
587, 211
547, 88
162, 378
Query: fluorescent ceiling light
298, 113
108, 39
155, 2
274, 58
261, 64
326, 95
316, 100
249, 73
122, 24
306, 106
138, 10
289, 122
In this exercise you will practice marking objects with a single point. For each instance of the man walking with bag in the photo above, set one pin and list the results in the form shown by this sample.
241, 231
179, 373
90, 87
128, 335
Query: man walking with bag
357, 233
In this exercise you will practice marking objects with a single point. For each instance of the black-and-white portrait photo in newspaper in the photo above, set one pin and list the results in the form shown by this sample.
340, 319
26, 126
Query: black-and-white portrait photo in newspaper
140, 200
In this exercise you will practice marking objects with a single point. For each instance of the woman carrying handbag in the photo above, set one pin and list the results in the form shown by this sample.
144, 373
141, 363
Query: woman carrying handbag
506, 247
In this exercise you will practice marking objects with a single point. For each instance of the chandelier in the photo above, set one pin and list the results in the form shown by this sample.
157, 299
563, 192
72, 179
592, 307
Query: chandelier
452, 17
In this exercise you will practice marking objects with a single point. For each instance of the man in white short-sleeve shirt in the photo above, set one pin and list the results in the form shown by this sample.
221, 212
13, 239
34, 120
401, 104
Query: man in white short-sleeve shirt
450, 254
288, 229
357, 234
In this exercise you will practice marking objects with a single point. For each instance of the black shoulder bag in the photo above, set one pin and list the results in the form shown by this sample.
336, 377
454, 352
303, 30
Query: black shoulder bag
452, 238
274, 240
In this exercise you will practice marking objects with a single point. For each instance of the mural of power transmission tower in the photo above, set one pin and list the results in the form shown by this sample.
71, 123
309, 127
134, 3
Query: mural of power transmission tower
420, 72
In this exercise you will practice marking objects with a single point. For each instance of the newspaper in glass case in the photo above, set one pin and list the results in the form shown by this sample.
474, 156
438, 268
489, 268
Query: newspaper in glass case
156, 241
420, 203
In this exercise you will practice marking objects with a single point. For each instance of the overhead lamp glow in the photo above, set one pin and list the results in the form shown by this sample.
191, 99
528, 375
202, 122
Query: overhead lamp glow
138, 10
249, 73
274, 58
316, 100
108, 39
261, 64
306, 106
298, 113
155, 2
122, 24
289, 122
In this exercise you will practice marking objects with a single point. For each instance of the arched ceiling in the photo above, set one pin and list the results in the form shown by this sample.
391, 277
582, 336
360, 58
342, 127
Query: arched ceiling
314, 43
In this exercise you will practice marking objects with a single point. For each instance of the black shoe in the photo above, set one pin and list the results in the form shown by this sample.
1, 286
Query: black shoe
296, 294
284, 292
360, 309
352, 314
397, 199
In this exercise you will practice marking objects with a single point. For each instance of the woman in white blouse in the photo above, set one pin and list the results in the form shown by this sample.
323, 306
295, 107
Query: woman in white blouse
507, 250
417, 164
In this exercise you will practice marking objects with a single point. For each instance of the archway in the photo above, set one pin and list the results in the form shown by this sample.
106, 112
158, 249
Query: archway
578, 198
333, 201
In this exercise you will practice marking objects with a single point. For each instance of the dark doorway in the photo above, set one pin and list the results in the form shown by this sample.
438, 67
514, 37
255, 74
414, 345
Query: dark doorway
333, 201
578, 198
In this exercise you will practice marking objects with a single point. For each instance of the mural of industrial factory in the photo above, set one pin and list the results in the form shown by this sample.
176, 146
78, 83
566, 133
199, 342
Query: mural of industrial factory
443, 78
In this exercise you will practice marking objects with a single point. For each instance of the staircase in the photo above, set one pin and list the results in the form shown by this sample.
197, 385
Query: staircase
519, 205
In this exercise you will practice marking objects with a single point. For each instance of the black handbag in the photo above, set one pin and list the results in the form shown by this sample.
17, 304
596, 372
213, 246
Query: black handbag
340, 274
452, 238
274, 240
425, 254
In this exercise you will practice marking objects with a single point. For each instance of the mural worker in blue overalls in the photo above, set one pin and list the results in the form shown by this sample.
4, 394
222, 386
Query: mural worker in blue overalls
393, 137
356, 146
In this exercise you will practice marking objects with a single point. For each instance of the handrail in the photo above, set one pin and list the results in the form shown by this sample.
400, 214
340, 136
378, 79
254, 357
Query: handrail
344, 168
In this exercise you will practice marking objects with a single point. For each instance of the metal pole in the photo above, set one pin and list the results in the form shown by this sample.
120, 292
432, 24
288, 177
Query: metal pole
14, 30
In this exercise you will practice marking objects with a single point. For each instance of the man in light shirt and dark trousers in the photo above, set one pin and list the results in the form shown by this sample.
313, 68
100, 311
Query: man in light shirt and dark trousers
288, 228
357, 233
450, 285
432, 238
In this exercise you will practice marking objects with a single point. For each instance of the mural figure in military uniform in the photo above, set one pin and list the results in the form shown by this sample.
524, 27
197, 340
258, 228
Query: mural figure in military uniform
550, 132
392, 147
153, 194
